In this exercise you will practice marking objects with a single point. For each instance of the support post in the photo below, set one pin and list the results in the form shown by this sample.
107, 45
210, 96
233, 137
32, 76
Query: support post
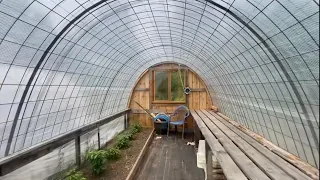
151, 91
99, 145
125, 118
78, 152
187, 85
209, 169
197, 134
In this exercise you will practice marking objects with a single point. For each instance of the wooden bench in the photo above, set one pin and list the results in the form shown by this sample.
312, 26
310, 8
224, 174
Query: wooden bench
239, 155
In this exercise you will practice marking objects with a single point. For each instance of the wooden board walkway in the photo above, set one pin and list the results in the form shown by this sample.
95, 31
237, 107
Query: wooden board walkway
170, 158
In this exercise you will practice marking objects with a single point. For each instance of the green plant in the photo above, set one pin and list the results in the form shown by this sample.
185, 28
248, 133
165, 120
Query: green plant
136, 128
73, 174
123, 142
130, 135
97, 160
112, 154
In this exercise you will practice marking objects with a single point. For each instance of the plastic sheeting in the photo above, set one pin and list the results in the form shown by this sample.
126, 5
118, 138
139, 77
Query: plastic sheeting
66, 63
52, 164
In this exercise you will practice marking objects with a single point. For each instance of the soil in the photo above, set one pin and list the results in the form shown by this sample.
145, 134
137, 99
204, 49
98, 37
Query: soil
119, 169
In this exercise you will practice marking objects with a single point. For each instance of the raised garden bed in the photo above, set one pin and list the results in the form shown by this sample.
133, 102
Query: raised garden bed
130, 158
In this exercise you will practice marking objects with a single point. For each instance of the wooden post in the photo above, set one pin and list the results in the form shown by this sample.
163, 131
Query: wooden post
197, 134
151, 92
187, 85
99, 146
78, 151
209, 162
125, 121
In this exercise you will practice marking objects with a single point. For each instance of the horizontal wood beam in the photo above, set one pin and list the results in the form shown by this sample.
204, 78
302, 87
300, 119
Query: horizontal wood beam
140, 111
16, 161
192, 89
167, 68
168, 103
141, 89
198, 90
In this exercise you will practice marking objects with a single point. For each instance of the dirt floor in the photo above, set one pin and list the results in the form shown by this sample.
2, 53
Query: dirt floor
119, 169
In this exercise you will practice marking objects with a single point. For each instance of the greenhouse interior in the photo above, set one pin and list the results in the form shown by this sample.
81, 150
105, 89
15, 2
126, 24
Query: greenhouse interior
159, 89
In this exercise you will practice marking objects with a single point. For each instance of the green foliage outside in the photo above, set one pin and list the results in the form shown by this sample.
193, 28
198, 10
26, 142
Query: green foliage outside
75, 175
97, 160
177, 93
161, 85
177, 87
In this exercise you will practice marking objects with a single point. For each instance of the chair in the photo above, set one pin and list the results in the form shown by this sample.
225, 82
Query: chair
178, 118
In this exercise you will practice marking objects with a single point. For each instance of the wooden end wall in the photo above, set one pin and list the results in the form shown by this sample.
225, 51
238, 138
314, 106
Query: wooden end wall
142, 93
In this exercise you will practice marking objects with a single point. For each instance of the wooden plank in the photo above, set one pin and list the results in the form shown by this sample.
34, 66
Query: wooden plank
196, 95
209, 103
271, 169
140, 100
151, 91
146, 101
200, 89
187, 85
209, 165
149, 169
300, 164
243, 162
168, 68
225, 160
229, 167
281, 163
135, 85
190, 78
202, 95
170, 159
141, 89
168, 103
155, 111
169, 85
210, 138
151, 87
142, 154
203, 100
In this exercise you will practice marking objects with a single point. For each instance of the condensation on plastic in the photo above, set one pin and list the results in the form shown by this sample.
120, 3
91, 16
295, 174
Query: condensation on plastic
259, 60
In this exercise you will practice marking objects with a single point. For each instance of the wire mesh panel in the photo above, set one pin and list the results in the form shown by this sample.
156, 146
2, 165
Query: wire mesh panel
64, 64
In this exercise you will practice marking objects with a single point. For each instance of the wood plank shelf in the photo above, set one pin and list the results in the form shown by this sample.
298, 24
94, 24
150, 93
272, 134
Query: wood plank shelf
239, 153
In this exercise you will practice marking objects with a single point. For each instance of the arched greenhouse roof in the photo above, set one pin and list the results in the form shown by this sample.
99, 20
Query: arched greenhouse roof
66, 63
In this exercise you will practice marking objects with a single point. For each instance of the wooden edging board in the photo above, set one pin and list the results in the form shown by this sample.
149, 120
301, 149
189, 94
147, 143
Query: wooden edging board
138, 162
